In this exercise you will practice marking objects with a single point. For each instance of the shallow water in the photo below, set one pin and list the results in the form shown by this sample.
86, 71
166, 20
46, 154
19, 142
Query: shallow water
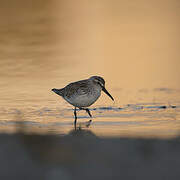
50, 44
143, 120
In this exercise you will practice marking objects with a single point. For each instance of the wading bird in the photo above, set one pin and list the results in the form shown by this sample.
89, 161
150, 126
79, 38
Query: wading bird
82, 94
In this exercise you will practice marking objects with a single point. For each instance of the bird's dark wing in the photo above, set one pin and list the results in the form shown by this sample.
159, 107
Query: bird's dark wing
79, 87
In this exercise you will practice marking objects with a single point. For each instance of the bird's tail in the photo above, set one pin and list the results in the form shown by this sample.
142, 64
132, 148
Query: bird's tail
60, 92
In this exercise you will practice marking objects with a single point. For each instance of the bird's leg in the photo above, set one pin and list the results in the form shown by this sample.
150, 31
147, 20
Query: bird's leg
89, 122
87, 110
75, 116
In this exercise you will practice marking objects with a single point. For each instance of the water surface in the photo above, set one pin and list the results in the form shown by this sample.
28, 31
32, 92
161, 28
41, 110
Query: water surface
134, 46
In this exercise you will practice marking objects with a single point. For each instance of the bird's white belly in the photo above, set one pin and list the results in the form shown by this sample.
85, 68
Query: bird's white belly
83, 100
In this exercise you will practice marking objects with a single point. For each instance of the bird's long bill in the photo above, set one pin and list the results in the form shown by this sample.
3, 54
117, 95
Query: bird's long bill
104, 89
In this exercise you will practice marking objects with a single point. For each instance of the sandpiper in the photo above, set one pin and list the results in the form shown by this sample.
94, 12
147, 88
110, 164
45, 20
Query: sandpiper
82, 94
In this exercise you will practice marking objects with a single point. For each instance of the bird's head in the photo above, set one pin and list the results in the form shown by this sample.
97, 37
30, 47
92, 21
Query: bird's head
101, 82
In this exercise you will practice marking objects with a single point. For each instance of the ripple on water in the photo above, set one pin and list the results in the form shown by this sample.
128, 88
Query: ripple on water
157, 118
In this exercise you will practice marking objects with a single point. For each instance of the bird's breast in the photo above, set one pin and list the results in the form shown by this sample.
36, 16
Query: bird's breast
84, 100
